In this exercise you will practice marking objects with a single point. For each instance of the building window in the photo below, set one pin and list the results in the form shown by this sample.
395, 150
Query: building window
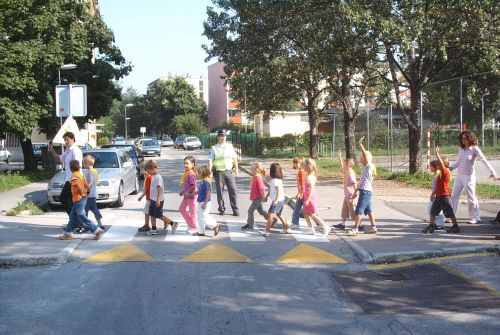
200, 95
234, 112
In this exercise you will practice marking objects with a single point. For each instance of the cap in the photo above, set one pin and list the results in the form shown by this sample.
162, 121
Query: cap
221, 132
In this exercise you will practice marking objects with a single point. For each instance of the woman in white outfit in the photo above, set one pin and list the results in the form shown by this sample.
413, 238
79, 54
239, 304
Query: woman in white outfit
466, 176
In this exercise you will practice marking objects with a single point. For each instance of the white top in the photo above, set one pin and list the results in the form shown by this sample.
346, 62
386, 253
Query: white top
467, 158
365, 182
275, 182
72, 153
227, 148
156, 181
90, 179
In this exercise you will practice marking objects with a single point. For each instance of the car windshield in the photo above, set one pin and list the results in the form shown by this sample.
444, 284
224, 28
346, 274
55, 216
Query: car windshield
129, 149
104, 160
120, 139
150, 143
191, 139
167, 138
38, 146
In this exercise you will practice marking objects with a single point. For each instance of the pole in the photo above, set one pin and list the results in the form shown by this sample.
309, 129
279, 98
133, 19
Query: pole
388, 132
392, 149
126, 123
428, 147
482, 120
421, 125
333, 139
368, 130
59, 83
461, 105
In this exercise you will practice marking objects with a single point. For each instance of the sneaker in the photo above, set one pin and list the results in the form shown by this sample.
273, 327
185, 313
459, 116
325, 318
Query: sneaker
340, 225
374, 230
287, 231
429, 229
66, 237
361, 228
447, 220
453, 230
221, 212
143, 229
439, 228
312, 231
474, 222
275, 221
99, 234
152, 232
353, 232
264, 233
216, 229
198, 234
174, 226
101, 226
236, 213
80, 230
326, 230
245, 227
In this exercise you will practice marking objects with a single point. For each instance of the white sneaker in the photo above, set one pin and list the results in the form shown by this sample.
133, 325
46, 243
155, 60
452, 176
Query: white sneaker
353, 232
263, 232
312, 231
151, 232
287, 231
326, 230
372, 231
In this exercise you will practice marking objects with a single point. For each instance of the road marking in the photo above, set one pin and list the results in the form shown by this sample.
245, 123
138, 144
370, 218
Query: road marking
127, 252
469, 279
303, 233
181, 234
123, 230
305, 253
434, 260
216, 253
238, 235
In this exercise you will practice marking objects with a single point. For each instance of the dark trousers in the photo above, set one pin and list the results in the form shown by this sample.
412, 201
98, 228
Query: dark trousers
65, 197
225, 178
92, 206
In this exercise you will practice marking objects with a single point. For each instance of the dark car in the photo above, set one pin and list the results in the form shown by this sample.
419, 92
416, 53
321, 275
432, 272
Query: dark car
179, 141
133, 153
38, 150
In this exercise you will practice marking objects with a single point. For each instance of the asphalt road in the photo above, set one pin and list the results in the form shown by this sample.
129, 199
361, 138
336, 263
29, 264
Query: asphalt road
173, 284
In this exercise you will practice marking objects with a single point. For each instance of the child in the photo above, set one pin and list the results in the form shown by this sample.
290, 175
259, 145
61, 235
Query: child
204, 203
301, 179
433, 166
311, 199
442, 202
365, 190
79, 198
92, 177
156, 195
189, 192
277, 194
257, 194
349, 190
146, 193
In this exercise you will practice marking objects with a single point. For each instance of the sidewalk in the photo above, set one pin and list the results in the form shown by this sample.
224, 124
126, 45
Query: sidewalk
400, 223
34, 192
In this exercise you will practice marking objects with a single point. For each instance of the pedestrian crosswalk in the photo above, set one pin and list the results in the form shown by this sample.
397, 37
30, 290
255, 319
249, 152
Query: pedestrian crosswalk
236, 234
181, 235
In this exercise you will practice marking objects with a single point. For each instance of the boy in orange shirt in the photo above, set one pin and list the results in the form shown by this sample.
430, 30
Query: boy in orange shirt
79, 196
146, 193
442, 201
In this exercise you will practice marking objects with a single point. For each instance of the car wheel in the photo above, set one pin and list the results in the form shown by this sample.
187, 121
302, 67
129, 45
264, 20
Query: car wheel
121, 197
136, 186
7, 160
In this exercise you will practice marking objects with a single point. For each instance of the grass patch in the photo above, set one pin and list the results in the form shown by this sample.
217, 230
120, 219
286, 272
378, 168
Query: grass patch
31, 207
328, 168
13, 179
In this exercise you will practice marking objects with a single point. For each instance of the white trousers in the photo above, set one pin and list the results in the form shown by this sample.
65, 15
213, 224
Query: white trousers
469, 183
204, 218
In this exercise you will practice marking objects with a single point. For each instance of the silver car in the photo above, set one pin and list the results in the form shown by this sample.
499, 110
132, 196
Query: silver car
4, 155
150, 148
191, 143
117, 177
167, 141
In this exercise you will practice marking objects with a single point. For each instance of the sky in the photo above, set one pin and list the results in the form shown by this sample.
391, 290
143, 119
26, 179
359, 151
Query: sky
158, 37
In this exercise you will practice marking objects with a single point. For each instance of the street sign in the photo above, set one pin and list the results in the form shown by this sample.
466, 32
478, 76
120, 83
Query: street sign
143, 129
69, 125
71, 100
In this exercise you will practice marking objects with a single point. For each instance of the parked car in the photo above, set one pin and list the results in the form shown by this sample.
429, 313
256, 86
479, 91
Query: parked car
118, 140
38, 149
150, 148
117, 177
133, 152
4, 155
179, 141
191, 143
167, 141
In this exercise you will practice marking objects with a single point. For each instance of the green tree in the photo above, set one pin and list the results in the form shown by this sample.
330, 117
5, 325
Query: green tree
422, 39
188, 124
36, 37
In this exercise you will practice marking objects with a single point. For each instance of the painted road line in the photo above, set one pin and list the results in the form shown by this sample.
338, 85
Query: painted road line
216, 253
127, 252
121, 231
181, 234
303, 234
305, 253
238, 235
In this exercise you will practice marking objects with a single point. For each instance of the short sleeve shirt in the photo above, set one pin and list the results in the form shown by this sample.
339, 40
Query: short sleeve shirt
349, 182
77, 181
366, 179
443, 183
276, 183
91, 177
256, 187
189, 181
71, 153
205, 186
156, 181
147, 187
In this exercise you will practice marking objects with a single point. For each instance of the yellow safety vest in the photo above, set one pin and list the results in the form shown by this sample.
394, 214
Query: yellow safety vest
222, 162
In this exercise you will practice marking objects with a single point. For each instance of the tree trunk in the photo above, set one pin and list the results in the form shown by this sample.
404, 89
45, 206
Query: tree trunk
313, 132
414, 134
349, 138
29, 157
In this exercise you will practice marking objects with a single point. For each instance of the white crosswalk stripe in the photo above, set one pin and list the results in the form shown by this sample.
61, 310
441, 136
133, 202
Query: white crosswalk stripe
121, 231
181, 235
303, 233
236, 234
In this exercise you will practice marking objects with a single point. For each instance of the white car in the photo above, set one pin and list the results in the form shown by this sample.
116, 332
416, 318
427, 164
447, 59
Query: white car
4, 155
117, 177
191, 143
167, 141
119, 140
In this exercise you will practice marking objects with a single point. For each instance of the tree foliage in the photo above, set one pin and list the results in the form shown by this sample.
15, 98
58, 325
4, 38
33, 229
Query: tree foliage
188, 124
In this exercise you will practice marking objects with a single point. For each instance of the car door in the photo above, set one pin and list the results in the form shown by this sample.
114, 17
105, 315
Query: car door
130, 171
124, 172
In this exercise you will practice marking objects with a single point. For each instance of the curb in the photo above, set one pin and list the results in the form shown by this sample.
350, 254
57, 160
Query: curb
364, 256
51, 259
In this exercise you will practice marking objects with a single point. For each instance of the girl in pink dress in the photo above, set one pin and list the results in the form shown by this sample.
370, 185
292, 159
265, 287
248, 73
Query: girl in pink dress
189, 195
311, 199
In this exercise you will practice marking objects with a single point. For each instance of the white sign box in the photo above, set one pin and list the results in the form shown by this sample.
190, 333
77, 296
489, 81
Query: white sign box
143, 129
71, 100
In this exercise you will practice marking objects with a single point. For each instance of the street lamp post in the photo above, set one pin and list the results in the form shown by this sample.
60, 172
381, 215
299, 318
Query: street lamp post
127, 118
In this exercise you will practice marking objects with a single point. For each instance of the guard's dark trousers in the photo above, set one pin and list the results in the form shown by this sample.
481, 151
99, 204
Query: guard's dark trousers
225, 178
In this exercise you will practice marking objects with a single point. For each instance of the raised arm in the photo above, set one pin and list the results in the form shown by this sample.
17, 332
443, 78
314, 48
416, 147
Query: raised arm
440, 160
341, 161
360, 142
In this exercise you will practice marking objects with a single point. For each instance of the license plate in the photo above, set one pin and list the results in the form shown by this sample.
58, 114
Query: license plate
151, 152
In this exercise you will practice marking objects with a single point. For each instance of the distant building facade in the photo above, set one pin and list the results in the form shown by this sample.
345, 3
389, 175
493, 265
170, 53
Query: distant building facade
200, 85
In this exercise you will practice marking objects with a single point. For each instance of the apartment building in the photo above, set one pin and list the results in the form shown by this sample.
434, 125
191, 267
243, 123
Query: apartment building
200, 85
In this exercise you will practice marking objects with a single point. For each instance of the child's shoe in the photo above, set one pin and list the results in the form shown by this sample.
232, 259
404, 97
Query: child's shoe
152, 232
429, 229
245, 227
326, 230
374, 230
216, 229
340, 225
439, 228
99, 234
453, 230
353, 232
312, 231
174, 226
143, 229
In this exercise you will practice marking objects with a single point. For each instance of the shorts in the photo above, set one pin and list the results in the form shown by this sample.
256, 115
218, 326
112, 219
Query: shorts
156, 212
364, 205
146, 207
276, 208
442, 204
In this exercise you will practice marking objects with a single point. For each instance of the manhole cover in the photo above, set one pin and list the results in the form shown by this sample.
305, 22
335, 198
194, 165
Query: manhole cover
419, 289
